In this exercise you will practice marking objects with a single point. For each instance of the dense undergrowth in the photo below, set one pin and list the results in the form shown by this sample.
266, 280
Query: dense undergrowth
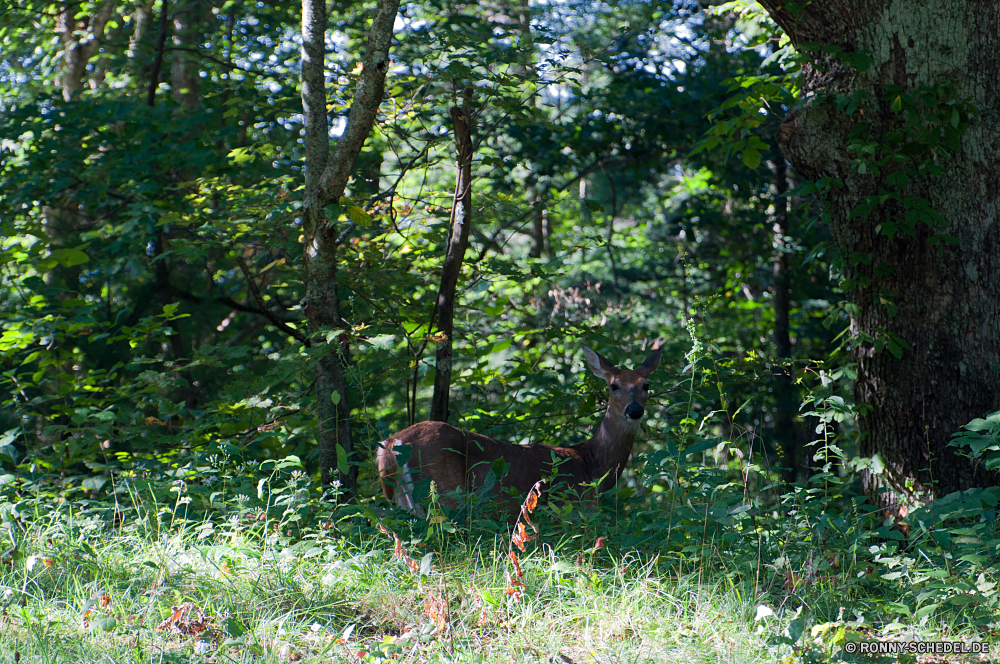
701, 554
693, 562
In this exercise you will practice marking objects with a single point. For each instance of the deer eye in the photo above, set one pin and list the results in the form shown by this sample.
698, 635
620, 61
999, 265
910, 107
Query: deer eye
614, 388
645, 386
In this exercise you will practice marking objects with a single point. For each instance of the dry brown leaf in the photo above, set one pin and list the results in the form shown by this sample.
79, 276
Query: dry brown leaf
186, 620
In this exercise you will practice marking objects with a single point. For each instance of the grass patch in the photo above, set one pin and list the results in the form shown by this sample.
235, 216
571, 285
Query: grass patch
85, 595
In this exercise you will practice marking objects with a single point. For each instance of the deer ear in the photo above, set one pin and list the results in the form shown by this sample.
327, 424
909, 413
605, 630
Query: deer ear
598, 364
649, 366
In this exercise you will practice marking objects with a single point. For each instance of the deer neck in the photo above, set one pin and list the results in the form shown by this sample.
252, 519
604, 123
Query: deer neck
611, 446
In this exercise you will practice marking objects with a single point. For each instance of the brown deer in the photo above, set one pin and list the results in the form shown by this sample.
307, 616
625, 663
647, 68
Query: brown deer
454, 458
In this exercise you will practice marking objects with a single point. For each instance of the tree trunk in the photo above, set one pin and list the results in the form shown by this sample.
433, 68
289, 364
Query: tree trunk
946, 296
326, 179
784, 397
539, 234
161, 267
80, 36
185, 83
461, 222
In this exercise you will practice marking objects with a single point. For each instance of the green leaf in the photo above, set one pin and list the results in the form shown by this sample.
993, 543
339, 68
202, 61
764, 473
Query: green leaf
342, 466
503, 345
95, 483
358, 216
104, 623
382, 341
70, 257
751, 158
333, 211
335, 397
701, 446
241, 156
425, 564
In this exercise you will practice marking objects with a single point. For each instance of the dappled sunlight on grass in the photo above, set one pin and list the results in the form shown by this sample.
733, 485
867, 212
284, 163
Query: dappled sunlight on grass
124, 598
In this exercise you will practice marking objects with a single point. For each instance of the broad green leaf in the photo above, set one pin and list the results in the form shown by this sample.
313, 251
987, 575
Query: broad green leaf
358, 216
70, 257
342, 465
95, 483
751, 158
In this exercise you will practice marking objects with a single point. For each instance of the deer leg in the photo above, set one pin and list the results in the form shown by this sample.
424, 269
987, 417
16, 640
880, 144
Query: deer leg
404, 497
397, 487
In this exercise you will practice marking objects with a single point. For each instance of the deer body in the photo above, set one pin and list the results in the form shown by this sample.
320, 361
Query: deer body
454, 458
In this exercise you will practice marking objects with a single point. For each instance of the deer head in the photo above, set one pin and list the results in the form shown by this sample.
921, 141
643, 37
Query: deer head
628, 389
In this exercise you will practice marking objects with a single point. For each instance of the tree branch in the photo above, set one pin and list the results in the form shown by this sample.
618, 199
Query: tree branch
278, 323
154, 77
364, 108
224, 301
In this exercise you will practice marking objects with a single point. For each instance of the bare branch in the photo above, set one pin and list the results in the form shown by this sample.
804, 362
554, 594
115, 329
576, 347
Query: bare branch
278, 323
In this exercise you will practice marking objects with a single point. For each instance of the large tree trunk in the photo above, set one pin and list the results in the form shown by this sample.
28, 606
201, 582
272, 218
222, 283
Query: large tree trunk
458, 241
326, 178
948, 296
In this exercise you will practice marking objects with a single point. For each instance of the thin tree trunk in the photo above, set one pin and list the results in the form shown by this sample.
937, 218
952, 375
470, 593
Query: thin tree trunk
154, 77
326, 179
784, 425
942, 300
461, 222
520, 11
539, 237
160, 266
185, 82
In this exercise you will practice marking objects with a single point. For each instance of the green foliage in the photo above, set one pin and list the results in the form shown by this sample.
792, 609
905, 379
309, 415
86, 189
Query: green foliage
624, 197
930, 123
980, 440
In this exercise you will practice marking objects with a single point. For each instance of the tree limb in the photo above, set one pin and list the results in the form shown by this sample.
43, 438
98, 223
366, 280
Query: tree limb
364, 108
271, 316
154, 77
224, 301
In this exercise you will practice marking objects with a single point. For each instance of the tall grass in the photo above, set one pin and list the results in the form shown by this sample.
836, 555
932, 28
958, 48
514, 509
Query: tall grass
82, 593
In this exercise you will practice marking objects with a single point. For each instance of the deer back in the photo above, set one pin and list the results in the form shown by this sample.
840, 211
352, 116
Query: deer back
454, 458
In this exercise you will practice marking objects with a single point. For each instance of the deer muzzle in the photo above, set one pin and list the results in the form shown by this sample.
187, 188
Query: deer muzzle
634, 411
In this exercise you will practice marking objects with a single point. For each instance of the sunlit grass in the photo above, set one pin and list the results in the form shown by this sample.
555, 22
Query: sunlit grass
115, 597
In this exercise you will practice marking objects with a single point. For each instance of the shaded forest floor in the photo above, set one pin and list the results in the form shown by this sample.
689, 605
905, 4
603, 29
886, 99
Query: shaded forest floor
194, 595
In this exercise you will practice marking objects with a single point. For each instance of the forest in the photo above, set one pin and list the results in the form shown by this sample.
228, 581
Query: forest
513, 330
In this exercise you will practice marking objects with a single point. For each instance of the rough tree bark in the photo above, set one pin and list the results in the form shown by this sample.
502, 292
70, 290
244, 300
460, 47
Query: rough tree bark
784, 425
458, 241
948, 296
80, 36
326, 178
